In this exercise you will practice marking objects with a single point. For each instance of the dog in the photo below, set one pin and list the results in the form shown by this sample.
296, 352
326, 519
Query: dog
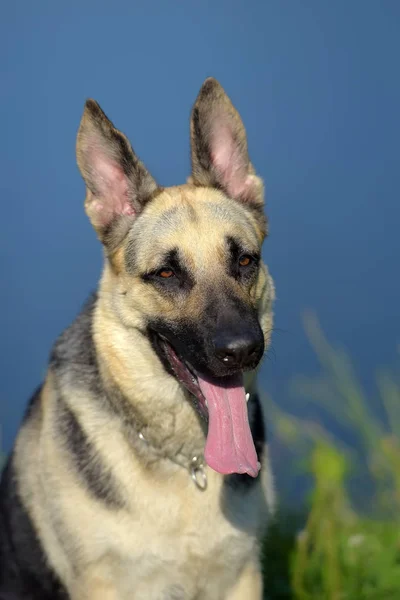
140, 470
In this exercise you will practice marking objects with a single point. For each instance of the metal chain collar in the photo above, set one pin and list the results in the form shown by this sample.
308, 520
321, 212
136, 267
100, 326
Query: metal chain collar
196, 465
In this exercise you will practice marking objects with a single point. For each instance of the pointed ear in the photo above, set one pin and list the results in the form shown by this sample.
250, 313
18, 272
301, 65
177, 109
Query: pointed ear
219, 147
118, 184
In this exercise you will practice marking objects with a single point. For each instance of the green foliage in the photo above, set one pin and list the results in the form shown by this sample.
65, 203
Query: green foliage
345, 549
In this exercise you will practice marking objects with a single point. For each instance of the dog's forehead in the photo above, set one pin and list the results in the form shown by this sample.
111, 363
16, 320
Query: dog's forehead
195, 220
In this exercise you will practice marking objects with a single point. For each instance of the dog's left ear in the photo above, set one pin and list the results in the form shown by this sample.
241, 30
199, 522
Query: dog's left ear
219, 147
117, 182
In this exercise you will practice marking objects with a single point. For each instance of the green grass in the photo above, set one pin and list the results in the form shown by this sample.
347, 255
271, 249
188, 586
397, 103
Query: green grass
334, 553
345, 544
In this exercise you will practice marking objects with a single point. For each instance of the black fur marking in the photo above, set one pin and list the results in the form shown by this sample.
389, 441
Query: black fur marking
188, 340
96, 476
236, 250
73, 358
181, 281
74, 362
257, 428
24, 572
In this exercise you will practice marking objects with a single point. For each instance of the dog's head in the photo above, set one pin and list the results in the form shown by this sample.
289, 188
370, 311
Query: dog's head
186, 261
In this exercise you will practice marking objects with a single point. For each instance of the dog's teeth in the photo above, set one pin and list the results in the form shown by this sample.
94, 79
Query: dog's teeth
247, 397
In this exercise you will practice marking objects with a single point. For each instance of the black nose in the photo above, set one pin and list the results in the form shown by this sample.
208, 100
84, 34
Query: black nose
238, 350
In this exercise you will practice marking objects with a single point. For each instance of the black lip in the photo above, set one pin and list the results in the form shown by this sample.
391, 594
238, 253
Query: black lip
157, 342
187, 377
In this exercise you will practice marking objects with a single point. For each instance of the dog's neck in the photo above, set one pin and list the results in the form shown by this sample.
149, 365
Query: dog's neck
161, 409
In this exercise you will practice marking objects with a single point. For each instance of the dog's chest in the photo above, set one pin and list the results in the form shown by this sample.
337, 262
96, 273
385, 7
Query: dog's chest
186, 545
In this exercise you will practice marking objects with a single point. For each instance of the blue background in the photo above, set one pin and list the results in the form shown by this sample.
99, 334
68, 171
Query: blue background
317, 84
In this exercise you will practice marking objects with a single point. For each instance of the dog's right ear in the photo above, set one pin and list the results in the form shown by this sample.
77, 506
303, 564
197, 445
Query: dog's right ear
118, 184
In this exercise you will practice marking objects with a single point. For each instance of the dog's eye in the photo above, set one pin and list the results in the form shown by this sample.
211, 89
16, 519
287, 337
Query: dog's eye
245, 260
165, 273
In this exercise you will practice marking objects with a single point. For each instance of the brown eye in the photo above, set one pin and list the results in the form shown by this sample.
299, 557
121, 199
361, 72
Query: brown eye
244, 260
165, 273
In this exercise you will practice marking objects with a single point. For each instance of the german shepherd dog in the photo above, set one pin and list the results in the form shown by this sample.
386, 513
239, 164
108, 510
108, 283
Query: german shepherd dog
140, 471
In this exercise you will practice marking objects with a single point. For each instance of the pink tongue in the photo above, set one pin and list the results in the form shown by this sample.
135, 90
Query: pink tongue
229, 447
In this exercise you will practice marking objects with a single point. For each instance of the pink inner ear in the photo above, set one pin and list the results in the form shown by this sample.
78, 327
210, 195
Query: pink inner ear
228, 160
112, 187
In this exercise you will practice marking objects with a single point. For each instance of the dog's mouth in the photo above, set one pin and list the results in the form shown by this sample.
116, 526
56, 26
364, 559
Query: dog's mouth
223, 402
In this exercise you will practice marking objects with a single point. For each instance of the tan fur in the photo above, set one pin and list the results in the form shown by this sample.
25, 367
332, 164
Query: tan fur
168, 540
249, 584
187, 523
